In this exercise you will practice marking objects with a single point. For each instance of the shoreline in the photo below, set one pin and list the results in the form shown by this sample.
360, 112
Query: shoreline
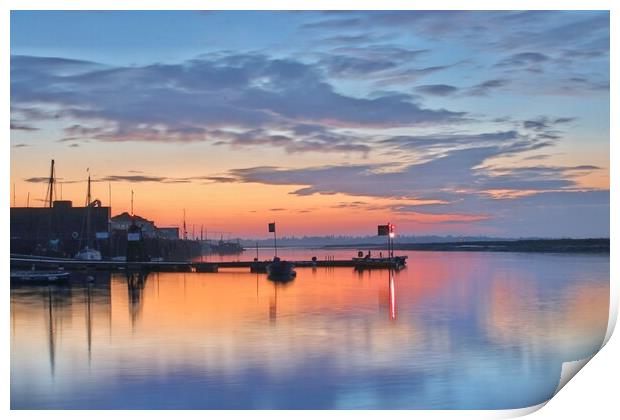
587, 246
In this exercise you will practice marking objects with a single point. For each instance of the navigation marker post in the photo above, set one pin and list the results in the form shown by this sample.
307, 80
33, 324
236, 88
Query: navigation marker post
387, 230
272, 228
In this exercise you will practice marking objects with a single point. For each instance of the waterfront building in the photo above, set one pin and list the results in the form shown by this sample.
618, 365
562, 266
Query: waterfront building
58, 230
123, 221
168, 232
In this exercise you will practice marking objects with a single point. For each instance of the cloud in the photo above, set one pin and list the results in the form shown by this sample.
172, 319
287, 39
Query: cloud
531, 178
562, 45
347, 66
175, 102
45, 180
333, 23
220, 179
296, 139
561, 30
537, 157
136, 179
449, 171
502, 30
481, 89
23, 127
409, 75
577, 84
523, 59
484, 88
57, 66
546, 127
20, 145
558, 214
437, 90
381, 52
454, 168
445, 142
457, 188
147, 178
360, 38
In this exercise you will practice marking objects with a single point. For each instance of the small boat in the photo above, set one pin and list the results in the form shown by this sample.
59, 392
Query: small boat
226, 248
365, 263
39, 276
279, 270
88, 254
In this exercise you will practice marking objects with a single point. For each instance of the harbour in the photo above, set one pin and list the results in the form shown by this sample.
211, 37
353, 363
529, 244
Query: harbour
57, 230
314, 210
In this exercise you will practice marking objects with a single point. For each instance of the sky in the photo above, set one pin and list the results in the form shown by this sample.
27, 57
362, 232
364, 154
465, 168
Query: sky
442, 122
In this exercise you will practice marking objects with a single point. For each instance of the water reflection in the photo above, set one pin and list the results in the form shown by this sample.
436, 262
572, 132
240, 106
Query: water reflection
450, 331
135, 285
392, 296
51, 327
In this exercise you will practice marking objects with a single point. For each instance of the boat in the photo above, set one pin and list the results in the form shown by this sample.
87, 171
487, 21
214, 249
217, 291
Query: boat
279, 270
39, 276
225, 248
89, 253
365, 263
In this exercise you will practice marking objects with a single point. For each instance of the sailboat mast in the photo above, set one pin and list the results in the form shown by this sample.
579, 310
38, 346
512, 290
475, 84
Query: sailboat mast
49, 197
88, 197
88, 201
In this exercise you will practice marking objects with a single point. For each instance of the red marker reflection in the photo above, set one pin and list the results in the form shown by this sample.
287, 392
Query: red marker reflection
392, 297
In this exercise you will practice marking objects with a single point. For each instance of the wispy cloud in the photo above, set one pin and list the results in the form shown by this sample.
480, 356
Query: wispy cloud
23, 127
484, 88
437, 90
523, 59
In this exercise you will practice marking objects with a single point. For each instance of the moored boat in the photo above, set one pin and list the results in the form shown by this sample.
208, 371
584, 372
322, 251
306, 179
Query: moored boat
88, 254
38, 276
279, 270
225, 248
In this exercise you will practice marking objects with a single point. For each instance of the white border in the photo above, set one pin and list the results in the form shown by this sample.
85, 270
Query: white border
593, 394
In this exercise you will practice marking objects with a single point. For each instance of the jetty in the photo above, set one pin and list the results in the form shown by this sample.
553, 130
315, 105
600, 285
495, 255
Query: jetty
43, 263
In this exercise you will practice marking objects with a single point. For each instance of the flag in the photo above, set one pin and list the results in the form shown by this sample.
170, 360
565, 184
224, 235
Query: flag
272, 227
383, 230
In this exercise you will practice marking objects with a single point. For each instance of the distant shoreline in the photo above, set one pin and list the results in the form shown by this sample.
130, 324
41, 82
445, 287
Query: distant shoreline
589, 246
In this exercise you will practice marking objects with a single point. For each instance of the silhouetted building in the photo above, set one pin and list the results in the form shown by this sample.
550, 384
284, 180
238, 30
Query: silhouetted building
123, 221
60, 230
168, 232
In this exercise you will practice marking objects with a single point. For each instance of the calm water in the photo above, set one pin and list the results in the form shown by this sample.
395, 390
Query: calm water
452, 330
